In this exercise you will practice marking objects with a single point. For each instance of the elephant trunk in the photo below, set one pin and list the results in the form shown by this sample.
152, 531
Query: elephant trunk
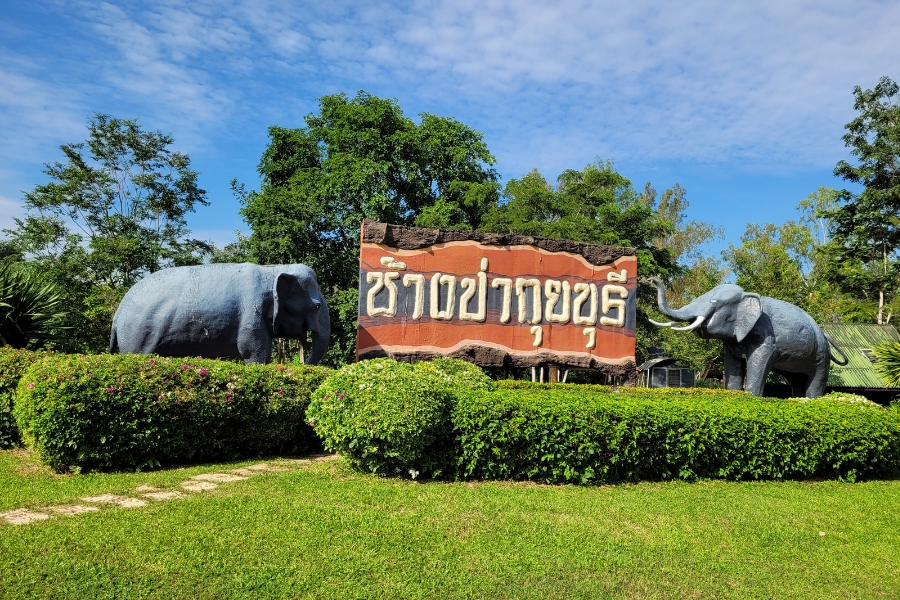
675, 314
320, 329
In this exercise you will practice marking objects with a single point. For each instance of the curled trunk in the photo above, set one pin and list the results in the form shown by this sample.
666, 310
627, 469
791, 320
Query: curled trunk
671, 313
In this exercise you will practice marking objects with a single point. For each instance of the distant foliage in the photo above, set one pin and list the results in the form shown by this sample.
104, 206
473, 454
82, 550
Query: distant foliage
394, 418
13, 363
126, 412
569, 436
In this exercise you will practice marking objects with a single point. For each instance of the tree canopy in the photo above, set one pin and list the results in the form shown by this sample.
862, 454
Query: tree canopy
863, 250
362, 158
595, 205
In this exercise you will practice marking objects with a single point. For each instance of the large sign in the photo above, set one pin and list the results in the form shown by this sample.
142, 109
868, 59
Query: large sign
495, 299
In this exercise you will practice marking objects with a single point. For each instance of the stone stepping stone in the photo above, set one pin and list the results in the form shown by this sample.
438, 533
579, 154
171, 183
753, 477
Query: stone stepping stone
245, 472
147, 488
162, 495
23, 516
218, 477
265, 467
198, 486
122, 501
73, 509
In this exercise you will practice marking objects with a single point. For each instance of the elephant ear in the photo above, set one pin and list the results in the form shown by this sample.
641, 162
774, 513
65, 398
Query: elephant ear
285, 286
748, 312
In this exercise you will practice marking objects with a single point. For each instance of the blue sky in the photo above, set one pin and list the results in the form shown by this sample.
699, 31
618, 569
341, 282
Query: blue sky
741, 103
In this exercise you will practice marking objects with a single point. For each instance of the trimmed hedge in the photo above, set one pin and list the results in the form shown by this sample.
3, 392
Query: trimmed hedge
394, 418
126, 412
567, 436
13, 363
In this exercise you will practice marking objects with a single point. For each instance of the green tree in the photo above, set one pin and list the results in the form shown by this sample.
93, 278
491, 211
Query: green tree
112, 212
863, 250
773, 260
361, 158
595, 205
237, 251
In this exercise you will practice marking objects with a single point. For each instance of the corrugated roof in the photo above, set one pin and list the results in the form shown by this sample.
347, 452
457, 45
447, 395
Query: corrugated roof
853, 338
655, 362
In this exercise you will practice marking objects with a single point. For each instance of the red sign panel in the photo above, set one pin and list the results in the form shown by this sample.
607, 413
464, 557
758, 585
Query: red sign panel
495, 300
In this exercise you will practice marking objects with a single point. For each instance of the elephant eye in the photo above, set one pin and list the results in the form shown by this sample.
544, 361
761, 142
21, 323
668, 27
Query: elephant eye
318, 305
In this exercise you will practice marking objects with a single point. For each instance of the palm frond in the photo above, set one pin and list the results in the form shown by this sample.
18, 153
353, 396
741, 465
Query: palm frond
888, 363
32, 312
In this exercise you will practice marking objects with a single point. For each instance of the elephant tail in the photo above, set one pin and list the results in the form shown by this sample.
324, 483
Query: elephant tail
838, 348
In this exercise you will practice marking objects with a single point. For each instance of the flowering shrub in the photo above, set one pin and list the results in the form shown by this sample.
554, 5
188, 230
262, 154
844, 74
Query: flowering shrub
107, 412
13, 363
394, 418
575, 435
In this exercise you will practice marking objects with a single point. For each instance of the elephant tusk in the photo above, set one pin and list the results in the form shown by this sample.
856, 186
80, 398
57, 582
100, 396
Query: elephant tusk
693, 325
658, 324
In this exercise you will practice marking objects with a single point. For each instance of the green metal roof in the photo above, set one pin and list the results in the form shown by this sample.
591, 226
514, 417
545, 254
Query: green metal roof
853, 338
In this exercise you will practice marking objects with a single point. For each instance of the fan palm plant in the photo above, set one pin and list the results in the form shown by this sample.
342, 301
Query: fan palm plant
888, 363
32, 312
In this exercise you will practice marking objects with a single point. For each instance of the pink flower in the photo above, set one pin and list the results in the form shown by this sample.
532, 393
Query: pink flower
184, 367
90, 374
281, 392
152, 362
110, 389
30, 386
204, 371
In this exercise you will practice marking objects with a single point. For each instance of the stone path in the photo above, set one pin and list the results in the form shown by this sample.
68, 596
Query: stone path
204, 482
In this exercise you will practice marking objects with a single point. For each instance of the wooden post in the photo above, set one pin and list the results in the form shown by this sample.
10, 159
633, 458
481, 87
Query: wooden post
554, 374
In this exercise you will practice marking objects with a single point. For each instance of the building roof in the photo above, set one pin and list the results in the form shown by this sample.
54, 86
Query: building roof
855, 339
661, 361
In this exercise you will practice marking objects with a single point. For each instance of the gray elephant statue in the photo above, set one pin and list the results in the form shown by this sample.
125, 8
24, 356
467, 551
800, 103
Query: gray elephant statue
760, 335
222, 310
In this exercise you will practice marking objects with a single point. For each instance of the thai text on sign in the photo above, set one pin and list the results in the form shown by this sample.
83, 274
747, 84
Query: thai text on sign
495, 299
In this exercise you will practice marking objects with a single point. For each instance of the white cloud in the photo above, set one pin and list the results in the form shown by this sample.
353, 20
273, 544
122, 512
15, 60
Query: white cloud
9, 210
747, 85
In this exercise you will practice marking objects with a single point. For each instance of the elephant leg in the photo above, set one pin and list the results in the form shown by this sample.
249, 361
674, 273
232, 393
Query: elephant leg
734, 371
758, 366
816, 385
255, 349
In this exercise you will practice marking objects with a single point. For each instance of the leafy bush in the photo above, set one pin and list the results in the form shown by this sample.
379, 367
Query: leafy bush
394, 418
32, 311
108, 412
562, 435
13, 364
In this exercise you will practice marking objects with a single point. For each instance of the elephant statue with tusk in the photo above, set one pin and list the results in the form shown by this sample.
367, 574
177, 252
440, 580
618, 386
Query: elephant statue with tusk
760, 335
222, 310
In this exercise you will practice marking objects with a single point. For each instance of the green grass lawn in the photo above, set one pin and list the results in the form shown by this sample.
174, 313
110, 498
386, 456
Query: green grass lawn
321, 531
